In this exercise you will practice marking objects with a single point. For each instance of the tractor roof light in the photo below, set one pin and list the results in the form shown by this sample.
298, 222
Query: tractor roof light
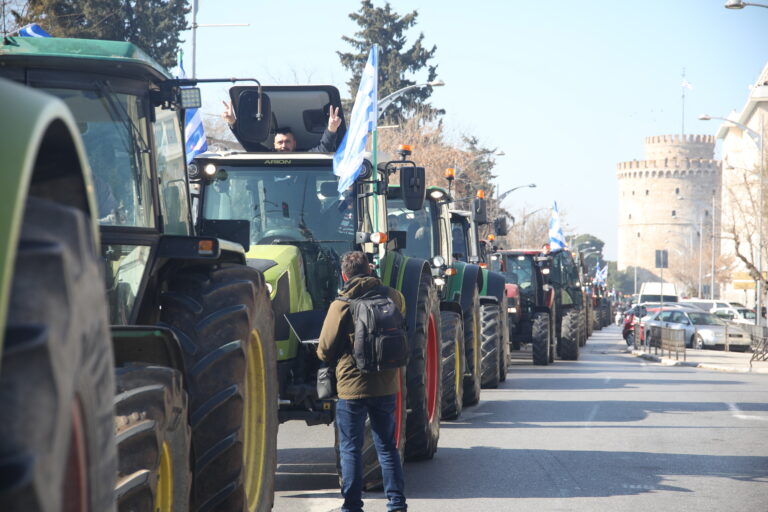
491, 237
404, 150
481, 194
450, 174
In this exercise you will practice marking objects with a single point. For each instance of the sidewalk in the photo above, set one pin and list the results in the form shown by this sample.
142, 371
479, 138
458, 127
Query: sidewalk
709, 359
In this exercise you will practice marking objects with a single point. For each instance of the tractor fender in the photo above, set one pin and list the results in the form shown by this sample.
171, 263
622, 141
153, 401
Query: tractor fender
472, 278
412, 271
42, 139
447, 305
151, 344
494, 285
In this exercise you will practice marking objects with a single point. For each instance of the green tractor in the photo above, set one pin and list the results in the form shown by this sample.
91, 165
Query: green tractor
568, 307
285, 209
473, 340
495, 295
195, 415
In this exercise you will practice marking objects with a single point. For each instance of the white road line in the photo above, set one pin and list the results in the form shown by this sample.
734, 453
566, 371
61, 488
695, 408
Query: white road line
737, 413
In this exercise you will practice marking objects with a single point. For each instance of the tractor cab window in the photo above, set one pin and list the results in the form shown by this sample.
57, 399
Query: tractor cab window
419, 226
113, 126
460, 241
519, 270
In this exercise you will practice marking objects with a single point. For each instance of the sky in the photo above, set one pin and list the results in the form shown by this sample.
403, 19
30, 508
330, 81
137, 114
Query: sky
566, 89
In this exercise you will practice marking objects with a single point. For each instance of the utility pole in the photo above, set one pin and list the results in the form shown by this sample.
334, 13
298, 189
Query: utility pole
195, 26
712, 277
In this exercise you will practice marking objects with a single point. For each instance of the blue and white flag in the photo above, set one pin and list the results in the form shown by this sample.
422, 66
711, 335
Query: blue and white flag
348, 160
556, 236
33, 30
194, 133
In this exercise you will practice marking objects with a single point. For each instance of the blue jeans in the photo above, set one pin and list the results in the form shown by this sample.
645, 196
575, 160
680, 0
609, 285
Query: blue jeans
350, 424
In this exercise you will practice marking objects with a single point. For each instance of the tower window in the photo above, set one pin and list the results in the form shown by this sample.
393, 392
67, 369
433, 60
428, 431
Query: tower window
633, 192
630, 216
706, 213
674, 213
646, 192
638, 234
677, 190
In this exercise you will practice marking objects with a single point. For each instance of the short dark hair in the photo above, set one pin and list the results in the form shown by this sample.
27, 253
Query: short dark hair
285, 130
355, 263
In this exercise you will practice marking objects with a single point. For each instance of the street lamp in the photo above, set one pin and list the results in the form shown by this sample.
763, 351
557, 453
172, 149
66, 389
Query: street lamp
738, 4
386, 101
757, 138
505, 194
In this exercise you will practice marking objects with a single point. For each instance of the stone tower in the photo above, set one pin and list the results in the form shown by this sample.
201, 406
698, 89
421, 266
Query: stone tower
666, 202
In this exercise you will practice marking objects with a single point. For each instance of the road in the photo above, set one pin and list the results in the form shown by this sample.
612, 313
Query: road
608, 432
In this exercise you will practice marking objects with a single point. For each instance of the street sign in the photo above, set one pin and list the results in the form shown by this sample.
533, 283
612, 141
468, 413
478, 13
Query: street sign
662, 258
743, 285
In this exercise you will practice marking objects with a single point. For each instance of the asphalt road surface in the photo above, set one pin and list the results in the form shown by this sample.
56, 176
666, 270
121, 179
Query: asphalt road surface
608, 432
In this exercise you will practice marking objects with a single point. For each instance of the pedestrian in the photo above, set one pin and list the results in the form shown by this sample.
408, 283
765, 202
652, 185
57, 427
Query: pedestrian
362, 394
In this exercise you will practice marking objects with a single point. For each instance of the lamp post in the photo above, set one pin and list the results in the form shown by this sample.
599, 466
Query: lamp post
505, 194
757, 138
387, 100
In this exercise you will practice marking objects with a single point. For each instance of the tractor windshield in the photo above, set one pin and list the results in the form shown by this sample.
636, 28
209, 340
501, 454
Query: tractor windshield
284, 205
519, 270
419, 226
113, 126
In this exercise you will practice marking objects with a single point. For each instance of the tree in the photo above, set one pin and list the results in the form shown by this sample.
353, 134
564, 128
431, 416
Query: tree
385, 27
153, 25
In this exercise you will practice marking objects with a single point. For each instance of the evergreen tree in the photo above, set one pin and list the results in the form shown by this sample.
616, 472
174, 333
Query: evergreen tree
153, 25
385, 27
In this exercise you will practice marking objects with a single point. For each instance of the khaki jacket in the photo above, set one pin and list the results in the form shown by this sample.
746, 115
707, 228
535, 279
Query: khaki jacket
336, 345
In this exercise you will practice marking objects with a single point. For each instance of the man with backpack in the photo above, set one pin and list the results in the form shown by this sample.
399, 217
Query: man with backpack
364, 337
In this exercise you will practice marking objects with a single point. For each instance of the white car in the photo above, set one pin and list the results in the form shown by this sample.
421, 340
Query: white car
736, 315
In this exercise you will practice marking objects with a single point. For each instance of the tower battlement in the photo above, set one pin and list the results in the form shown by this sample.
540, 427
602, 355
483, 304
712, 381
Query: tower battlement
688, 138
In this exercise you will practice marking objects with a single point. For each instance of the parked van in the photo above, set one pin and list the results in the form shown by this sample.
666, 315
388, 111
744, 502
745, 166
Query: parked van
656, 292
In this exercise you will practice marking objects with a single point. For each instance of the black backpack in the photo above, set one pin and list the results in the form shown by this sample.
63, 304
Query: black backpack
380, 340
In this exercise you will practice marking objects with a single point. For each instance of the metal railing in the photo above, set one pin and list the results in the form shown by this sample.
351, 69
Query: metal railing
758, 335
672, 340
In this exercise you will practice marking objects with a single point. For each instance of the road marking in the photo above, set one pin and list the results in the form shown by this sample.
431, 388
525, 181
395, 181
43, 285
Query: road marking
737, 413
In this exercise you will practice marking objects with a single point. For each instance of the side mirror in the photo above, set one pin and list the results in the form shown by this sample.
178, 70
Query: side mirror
252, 129
480, 210
413, 187
500, 226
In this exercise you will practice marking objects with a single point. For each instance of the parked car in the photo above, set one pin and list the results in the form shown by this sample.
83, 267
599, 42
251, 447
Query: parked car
702, 330
736, 315
705, 304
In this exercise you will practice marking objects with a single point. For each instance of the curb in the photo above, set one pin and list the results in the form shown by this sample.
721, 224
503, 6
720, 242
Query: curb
706, 366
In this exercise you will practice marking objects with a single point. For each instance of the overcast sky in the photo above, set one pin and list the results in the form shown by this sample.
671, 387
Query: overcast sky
565, 88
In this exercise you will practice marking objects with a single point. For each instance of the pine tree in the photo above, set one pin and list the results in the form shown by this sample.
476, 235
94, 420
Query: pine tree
153, 25
383, 26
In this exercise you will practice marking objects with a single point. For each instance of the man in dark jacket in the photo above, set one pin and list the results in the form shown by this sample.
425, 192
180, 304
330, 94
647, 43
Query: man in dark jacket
362, 394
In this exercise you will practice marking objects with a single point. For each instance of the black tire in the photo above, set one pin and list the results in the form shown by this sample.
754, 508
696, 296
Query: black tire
452, 338
569, 338
540, 338
630, 339
372, 478
223, 318
153, 436
57, 377
504, 340
472, 351
490, 350
514, 340
697, 342
582, 328
423, 375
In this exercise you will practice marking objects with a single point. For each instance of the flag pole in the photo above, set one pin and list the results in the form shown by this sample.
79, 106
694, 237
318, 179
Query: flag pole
374, 143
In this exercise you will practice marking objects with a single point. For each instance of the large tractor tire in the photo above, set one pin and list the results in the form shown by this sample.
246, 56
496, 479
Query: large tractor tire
504, 340
472, 351
423, 375
153, 440
223, 318
540, 336
490, 345
57, 445
372, 477
569, 339
582, 328
452, 336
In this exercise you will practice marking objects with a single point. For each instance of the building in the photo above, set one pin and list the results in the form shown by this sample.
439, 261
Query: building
671, 200
742, 170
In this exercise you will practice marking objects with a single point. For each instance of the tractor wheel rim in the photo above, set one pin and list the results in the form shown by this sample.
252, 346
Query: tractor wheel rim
75, 482
431, 368
254, 421
164, 496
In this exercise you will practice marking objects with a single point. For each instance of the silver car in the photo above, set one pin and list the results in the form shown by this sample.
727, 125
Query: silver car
702, 329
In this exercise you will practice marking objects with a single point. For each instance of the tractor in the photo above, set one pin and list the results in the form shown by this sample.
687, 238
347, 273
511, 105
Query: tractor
195, 410
285, 209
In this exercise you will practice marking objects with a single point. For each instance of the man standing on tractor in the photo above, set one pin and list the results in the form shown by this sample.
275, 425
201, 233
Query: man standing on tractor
361, 394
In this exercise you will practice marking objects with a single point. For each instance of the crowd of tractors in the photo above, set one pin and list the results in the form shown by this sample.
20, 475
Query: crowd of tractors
167, 391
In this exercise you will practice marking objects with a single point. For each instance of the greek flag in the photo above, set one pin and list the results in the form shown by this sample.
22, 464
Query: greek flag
33, 30
348, 160
194, 133
556, 237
